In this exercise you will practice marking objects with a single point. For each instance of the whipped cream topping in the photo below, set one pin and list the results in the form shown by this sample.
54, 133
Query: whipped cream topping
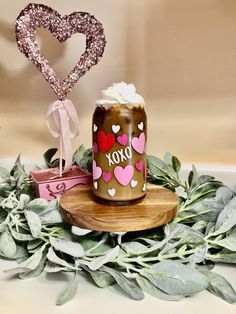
120, 93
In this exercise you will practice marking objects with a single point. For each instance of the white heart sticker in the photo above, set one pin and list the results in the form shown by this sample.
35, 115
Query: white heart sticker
133, 183
115, 128
140, 126
95, 184
95, 128
111, 192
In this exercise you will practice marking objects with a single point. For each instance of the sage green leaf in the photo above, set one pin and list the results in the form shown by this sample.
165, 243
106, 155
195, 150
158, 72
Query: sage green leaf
208, 265
18, 169
224, 256
176, 164
79, 154
31, 263
48, 155
52, 257
69, 292
172, 231
3, 227
229, 242
205, 179
4, 173
134, 248
210, 227
24, 200
195, 241
21, 253
205, 186
72, 248
180, 191
190, 178
7, 244
224, 194
36, 272
172, 277
193, 177
128, 285
226, 219
146, 240
168, 158
34, 223
206, 209
101, 278
21, 236
51, 217
96, 247
37, 205
52, 205
80, 231
158, 163
83, 158
177, 230
102, 260
149, 288
199, 255
219, 286
200, 226
54, 268
31, 245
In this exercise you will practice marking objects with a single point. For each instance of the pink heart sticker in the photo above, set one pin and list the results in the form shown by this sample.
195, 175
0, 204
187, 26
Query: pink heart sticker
139, 165
138, 143
97, 171
124, 175
38, 15
106, 176
122, 139
95, 148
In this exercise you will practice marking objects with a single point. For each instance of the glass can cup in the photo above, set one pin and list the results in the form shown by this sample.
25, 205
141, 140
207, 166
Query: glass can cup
119, 153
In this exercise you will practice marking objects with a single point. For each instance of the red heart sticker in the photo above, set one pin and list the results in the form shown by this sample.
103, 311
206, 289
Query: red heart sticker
105, 142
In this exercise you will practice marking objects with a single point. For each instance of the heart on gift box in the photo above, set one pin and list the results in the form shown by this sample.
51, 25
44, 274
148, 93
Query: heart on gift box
38, 15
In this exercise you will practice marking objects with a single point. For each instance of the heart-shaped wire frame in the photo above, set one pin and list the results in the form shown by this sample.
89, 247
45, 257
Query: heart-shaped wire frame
39, 15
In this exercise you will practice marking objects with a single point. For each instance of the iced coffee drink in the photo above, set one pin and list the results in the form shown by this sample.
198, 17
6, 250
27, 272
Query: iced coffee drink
119, 146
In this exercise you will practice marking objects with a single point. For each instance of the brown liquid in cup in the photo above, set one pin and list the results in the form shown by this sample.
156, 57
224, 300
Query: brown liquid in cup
119, 151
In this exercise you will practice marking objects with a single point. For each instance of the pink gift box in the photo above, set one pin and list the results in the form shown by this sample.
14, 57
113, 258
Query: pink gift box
50, 186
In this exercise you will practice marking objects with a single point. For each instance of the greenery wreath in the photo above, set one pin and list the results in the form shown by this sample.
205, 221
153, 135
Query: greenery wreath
168, 262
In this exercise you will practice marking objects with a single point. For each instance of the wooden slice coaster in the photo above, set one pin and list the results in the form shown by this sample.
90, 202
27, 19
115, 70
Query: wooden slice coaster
157, 208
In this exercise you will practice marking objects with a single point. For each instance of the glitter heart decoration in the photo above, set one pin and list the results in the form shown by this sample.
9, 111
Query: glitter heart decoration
39, 15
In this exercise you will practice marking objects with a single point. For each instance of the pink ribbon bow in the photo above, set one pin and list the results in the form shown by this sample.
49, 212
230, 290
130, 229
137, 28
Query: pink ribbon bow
63, 111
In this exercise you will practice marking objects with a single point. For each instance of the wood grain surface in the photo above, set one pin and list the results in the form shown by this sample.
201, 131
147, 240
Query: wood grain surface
157, 208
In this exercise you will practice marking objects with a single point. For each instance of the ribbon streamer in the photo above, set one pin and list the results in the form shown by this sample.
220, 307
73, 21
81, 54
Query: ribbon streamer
63, 111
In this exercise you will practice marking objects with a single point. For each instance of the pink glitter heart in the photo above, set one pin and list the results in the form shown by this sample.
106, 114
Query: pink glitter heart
97, 171
39, 15
124, 175
139, 165
106, 176
138, 143
95, 148
122, 139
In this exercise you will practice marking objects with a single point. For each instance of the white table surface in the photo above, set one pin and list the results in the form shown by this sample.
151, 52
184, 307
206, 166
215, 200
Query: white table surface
37, 296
